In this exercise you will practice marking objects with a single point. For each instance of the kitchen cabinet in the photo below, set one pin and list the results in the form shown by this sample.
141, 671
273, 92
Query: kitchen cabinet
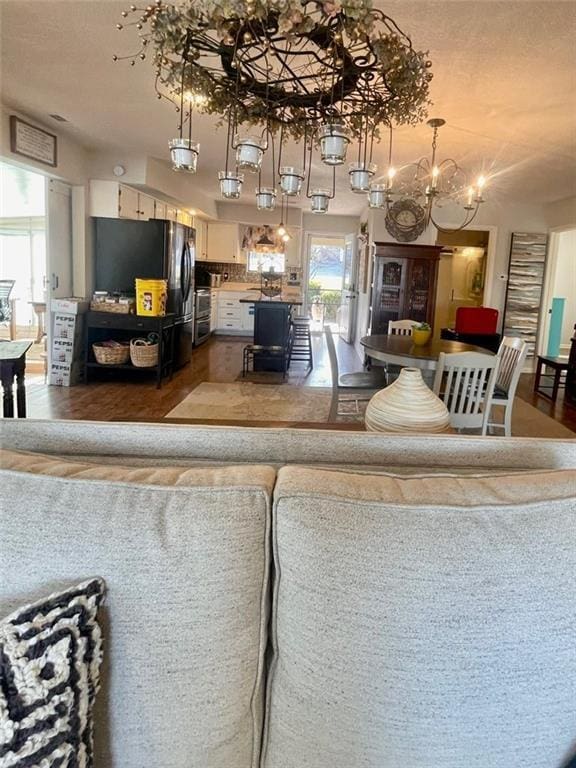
159, 209
201, 226
112, 200
230, 316
183, 217
292, 251
213, 310
224, 243
404, 285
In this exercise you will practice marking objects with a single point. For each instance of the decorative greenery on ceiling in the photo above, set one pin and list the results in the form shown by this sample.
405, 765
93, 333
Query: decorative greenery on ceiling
287, 63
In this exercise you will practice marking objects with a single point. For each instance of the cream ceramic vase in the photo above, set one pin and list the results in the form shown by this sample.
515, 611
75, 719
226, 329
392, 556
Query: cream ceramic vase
407, 405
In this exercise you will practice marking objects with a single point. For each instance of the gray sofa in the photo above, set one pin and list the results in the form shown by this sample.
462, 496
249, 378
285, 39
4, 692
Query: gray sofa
294, 598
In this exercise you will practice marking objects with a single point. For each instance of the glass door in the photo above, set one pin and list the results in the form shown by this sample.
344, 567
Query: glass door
349, 293
324, 281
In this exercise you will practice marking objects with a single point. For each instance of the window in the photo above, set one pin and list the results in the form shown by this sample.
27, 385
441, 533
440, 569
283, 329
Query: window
266, 262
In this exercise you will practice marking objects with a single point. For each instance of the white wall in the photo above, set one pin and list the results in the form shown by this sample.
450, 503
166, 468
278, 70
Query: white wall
561, 213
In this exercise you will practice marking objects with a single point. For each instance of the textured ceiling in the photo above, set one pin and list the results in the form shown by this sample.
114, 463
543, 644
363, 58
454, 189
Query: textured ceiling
504, 80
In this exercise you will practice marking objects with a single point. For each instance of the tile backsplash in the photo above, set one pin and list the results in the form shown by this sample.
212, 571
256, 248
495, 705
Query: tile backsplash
237, 273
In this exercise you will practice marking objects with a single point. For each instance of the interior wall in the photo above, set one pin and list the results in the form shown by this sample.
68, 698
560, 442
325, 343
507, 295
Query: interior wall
561, 213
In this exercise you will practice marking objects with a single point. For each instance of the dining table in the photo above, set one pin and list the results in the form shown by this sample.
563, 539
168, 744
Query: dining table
12, 367
401, 350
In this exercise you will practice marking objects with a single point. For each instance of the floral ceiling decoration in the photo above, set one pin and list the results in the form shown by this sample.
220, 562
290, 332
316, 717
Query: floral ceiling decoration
325, 74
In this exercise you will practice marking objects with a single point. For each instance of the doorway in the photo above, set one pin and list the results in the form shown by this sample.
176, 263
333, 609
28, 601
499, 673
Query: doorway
23, 268
560, 283
461, 274
325, 264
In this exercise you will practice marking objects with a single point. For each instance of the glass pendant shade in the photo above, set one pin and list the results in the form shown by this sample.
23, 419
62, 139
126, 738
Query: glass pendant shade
377, 196
265, 198
184, 153
249, 153
320, 200
360, 176
290, 180
230, 184
334, 140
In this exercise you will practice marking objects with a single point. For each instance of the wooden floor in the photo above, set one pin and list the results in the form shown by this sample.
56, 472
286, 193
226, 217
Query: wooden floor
136, 397
218, 360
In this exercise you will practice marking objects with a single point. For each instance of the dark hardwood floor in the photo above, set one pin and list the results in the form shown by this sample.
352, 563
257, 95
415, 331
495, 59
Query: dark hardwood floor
218, 360
136, 397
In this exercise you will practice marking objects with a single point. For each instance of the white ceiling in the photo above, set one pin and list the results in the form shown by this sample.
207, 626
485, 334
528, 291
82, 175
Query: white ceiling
504, 80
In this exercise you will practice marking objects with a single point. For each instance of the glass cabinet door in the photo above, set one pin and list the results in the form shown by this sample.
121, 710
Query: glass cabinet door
418, 290
389, 290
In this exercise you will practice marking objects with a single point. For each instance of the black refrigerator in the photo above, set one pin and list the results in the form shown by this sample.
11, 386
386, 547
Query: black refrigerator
155, 249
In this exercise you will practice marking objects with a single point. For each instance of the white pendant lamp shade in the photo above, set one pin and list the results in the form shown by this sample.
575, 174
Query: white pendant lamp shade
230, 184
184, 154
360, 176
320, 200
377, 196
265, 198
291, 180
249, 153
334, 140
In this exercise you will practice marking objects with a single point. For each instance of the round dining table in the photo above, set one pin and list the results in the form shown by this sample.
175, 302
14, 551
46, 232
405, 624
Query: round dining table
401, 350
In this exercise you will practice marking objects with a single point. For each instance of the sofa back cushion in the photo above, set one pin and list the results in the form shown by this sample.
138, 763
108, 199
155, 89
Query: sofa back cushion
425, 621
184, 553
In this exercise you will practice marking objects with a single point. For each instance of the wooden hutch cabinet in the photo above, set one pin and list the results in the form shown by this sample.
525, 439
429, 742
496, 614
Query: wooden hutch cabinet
404, 284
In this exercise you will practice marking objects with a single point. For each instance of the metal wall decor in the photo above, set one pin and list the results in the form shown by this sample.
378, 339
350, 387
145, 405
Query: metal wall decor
330, 72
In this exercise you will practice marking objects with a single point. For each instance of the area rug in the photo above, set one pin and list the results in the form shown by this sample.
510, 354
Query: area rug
247, 401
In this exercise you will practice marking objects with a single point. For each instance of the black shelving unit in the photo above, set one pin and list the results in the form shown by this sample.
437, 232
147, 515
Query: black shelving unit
101, 326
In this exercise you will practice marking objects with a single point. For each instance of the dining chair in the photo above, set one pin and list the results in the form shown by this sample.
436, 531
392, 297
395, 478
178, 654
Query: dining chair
397, 328
7, 314
512, 355
401, 327
465, 382
358, 386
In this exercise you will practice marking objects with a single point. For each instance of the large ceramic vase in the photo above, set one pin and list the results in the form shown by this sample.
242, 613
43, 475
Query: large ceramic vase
407, 405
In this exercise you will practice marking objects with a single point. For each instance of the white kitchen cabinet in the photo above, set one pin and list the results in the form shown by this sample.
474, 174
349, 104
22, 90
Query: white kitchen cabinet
128, 203
159, 209
224, 243
113, 200
293, 252
201, 226
183, 217
146, 207
231, 317
171, 212
213, 310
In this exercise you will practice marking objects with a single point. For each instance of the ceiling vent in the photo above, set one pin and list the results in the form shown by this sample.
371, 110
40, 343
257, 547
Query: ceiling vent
59, 118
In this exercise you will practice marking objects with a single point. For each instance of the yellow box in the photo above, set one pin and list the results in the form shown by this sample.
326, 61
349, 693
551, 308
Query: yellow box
151, 297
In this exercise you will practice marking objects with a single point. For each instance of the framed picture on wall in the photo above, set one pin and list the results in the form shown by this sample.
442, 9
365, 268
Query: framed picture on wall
33, 142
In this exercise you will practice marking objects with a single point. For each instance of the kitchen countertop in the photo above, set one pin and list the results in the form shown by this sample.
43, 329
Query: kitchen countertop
282, 299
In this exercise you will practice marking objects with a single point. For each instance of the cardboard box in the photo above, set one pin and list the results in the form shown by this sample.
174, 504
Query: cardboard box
65, 374
67, 326
63, 350
70, 306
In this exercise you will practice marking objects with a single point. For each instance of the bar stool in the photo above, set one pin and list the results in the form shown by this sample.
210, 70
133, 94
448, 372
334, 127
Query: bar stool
273, 352
301, 347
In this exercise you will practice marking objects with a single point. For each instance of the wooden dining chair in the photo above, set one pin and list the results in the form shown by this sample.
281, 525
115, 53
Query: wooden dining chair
354, 386
465, 382
512, 355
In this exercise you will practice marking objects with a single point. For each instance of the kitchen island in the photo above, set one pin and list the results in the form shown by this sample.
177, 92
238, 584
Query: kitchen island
272, 318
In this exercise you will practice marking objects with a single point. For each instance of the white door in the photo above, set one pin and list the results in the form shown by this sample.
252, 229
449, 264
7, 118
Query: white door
347, 312
58, 240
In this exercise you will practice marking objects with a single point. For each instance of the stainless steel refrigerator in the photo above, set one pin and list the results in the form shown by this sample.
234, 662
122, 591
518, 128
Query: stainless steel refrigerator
125, 250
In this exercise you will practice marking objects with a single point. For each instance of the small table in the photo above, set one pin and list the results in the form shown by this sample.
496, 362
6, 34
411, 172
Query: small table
401, 350
559, 366
13, 365
39, 308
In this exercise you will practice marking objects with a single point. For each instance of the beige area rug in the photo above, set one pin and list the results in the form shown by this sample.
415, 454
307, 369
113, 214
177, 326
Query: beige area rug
246, 401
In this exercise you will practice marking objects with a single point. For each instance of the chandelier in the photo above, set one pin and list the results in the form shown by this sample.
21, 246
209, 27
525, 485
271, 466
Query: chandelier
321, 73
412, 195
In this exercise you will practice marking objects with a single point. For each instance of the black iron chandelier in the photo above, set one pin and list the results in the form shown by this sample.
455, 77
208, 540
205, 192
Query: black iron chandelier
322, 73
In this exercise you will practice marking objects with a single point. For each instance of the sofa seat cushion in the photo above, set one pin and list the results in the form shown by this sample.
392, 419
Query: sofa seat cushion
423, 621
184, 553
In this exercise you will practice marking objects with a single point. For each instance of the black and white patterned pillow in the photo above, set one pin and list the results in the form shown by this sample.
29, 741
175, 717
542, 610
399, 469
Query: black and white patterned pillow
50, 655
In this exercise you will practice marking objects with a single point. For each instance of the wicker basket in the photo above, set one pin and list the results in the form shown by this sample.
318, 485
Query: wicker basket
117, 308
143, 354
117, 355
